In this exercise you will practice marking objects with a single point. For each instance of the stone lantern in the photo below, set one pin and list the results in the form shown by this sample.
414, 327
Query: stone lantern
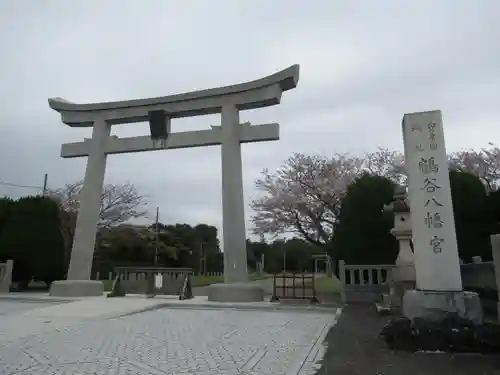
403, 274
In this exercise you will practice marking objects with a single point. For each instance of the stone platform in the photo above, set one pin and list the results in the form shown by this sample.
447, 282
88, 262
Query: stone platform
433, 305
76, 288
235, 292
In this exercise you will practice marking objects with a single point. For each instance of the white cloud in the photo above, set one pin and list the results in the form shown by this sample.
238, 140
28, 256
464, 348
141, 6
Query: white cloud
363, 65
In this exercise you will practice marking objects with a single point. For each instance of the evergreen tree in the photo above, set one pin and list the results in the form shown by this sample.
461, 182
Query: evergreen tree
32, 238
474, 220
362, 234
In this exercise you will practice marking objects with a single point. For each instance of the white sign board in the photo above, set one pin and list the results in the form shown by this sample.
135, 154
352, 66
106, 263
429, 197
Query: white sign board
437, 263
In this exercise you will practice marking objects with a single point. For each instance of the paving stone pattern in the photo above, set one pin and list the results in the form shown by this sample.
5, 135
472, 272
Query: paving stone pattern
175, 341
14, 307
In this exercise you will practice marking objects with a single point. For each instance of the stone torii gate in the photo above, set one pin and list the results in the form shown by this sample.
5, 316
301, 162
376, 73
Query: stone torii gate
227, 101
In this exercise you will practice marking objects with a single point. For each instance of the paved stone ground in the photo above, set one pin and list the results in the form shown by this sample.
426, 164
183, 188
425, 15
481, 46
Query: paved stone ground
12, 307
171, 341
354, 349
107, 336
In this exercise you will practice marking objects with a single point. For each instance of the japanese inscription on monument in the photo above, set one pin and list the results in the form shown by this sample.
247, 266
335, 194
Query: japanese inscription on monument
436, 253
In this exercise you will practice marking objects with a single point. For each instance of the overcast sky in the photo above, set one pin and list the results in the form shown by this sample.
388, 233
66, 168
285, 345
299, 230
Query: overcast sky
363, 65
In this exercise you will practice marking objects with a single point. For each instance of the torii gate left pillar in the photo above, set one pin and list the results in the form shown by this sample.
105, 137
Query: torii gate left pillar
228, 101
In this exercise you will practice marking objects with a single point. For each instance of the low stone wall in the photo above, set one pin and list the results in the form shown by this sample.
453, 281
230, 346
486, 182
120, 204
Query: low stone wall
111, 275
6, 276
480, 278
364, 283
479, 275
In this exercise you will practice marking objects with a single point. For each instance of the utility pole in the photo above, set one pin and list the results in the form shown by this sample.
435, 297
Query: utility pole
201, 264
284, 257
157, 235
45, 179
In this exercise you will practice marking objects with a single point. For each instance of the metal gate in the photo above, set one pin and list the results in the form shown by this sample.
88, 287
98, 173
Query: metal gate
294, 286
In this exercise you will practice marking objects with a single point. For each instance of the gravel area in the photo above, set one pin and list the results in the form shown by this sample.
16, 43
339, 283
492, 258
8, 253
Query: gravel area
354, 348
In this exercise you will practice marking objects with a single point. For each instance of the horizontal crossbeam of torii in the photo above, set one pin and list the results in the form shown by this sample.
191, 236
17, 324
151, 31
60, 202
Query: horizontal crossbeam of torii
198, 138
160, 111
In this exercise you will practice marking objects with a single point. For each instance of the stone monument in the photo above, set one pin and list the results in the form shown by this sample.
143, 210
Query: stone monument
159, 112
438, 279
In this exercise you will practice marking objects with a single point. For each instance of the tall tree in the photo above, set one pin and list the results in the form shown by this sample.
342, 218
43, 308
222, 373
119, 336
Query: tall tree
362, 235
206, 236
32, 238
304, 195
128, 244
474, 218
6, 205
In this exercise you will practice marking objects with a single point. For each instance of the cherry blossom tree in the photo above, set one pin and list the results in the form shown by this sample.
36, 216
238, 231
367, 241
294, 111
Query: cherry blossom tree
303, 196
484, 163
387, 163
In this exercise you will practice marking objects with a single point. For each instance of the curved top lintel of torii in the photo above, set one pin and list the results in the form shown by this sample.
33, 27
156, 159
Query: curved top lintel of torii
259, 93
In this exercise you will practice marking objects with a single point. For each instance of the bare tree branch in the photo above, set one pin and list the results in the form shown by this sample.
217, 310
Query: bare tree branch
119, 203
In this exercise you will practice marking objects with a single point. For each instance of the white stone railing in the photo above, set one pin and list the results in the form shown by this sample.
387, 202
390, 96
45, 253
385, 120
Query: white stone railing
356, 274
212, 274
364, 283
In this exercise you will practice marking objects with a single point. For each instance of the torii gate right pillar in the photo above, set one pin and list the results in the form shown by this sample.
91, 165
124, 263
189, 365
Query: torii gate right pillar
233, 205
235, 287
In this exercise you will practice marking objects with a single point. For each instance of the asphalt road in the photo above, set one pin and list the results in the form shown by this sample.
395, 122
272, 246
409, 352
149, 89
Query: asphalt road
355, 349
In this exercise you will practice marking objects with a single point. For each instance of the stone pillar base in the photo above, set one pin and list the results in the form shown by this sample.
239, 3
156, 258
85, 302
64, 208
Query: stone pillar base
400, 288
76, 288
235, 292
433, 305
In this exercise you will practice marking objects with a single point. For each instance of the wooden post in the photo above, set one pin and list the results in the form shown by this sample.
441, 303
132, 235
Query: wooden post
274, 297
284, 285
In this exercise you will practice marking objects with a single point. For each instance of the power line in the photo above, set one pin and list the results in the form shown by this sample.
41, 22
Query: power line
43, 188
20, 186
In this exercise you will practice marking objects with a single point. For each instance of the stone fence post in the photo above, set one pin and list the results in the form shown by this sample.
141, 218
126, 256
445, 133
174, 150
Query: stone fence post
6, 276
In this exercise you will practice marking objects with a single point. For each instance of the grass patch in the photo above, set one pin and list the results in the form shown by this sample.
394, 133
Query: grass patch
208, 280
327, 285
254, 276
197, 281
108, 284
200, 280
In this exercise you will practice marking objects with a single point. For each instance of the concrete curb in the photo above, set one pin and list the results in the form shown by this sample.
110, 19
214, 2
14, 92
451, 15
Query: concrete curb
242, 307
